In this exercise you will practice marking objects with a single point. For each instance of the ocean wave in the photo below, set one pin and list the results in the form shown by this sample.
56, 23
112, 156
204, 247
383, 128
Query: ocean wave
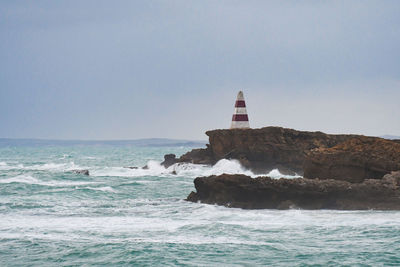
103, 189
154, 168
27, 179
4, 166
53, 167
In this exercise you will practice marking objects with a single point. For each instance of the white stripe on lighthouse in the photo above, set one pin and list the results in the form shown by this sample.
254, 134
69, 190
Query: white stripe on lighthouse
240, 111
240, 124
240, 118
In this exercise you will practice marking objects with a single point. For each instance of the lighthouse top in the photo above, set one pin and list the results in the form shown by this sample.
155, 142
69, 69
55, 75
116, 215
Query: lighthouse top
240, 118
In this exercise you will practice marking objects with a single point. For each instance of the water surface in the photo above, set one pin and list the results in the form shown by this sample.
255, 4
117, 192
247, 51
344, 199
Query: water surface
50, 216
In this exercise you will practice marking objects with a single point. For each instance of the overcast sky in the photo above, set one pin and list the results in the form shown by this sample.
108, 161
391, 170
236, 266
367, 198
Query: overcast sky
138, 69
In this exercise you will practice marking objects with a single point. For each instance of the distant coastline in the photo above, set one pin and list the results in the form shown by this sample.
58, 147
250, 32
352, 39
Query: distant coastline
390, 137
152, 142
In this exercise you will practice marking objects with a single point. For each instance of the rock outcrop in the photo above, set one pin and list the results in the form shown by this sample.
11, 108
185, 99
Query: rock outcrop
169, 160
264, 149
84, 172
241, 191
199, 156
354, 160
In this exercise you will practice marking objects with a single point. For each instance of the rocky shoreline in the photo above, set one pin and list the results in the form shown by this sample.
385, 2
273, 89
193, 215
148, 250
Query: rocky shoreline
341, 171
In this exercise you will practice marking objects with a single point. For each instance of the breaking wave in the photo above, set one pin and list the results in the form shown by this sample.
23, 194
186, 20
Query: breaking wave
154, 168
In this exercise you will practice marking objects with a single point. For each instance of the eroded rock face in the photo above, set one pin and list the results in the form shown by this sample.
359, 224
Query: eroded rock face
354, 160
241, 191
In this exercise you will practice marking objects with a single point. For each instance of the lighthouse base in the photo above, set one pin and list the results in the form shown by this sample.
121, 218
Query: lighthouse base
240, 125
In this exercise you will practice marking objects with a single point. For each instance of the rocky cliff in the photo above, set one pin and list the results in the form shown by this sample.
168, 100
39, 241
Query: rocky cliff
241, 191
270, 147
312, 154
264, 149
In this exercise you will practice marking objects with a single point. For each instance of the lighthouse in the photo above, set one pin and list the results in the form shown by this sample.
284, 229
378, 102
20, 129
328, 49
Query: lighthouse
240, 118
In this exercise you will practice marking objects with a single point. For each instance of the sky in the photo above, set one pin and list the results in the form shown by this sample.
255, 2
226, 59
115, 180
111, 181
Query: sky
172, 69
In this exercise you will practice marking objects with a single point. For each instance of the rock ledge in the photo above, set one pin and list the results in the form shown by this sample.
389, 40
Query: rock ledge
240, 191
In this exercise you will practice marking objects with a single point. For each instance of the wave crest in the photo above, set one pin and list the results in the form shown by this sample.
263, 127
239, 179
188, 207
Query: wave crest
154, 168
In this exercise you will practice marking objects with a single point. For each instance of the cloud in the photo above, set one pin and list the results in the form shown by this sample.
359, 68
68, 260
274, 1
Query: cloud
96, 69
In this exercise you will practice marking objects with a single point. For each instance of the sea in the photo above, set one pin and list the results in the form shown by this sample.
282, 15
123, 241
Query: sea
118, 216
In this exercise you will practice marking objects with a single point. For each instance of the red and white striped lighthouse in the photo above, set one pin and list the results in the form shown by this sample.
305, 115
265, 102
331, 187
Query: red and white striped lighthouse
240, 118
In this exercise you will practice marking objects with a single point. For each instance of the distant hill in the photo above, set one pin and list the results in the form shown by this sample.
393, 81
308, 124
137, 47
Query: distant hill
392, 137
154, 142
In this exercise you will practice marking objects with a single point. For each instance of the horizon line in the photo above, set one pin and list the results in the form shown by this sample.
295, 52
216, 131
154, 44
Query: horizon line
101, 140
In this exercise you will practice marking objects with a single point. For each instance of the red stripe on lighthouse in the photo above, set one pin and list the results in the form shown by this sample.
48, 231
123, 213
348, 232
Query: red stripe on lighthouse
240, 104
240, 117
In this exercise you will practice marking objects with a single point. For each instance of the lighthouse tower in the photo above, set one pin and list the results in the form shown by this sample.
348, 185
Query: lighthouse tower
240, 118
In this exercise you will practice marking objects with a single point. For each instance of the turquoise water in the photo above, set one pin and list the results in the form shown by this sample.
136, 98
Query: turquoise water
50, 216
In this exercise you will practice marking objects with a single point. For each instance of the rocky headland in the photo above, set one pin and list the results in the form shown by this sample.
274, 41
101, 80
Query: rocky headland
341, 171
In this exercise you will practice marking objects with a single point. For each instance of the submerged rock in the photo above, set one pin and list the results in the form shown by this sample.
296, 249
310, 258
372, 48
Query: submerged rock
84, 172
240, 191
